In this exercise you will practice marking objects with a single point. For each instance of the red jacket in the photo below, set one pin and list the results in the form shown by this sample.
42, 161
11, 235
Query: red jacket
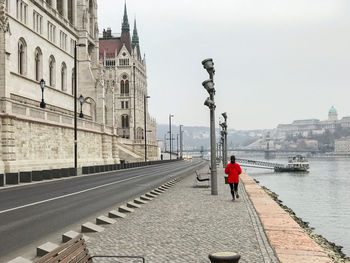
233, 170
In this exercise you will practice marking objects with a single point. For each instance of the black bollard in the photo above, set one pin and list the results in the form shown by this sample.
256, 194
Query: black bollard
224, 257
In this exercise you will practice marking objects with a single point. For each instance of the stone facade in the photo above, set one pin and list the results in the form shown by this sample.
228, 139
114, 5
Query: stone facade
37, 41
126, 87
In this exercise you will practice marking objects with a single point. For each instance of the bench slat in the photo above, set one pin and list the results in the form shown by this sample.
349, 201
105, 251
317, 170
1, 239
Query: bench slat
77, 255
86, 259
57, 251
69, 253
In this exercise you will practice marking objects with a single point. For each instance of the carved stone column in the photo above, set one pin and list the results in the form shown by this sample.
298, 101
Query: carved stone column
65, 8
54, 4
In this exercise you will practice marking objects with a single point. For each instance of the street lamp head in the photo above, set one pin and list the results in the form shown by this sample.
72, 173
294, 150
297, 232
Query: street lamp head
208, 64
209, 103
224, 115
170, 115
81, 99
42, 84
209, 86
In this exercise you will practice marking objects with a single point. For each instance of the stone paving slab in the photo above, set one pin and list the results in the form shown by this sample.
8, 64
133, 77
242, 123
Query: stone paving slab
186, 224
290, 241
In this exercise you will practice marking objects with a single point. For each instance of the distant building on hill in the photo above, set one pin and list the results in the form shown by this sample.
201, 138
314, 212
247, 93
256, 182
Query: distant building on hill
342, 146
314, 126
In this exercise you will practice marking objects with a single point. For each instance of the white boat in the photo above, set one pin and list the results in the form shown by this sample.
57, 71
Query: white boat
297, 163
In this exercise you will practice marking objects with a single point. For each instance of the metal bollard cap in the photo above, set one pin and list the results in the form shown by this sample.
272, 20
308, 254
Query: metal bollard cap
224, 257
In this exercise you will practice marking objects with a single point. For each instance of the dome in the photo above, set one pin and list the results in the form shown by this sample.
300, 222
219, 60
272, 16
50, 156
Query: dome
332, 110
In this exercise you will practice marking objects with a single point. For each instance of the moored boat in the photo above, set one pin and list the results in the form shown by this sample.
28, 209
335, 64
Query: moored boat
297, 163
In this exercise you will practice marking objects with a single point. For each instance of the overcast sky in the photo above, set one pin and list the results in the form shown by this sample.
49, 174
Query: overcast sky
276, 60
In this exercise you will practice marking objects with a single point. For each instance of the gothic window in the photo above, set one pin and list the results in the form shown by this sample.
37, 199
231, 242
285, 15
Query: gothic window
63, 77
126, 105
127, 87
37, 22
38, 64
122, 104
21, 11
52, 71
125, 121
122, 88
51, 32
22, 57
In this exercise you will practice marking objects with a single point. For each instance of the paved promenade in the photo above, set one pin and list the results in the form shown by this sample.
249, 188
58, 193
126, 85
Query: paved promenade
185, 224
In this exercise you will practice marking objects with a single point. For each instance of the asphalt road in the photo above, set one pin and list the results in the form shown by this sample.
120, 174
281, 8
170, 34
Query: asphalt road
32, 212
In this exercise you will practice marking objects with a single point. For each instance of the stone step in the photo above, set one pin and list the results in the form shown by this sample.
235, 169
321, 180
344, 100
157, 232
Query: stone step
45, 248
103, 220
125, 209
154, 192
145, 198
150, 195
89, 227
20, 260
139, 201
70, 235
116, 214
132, 205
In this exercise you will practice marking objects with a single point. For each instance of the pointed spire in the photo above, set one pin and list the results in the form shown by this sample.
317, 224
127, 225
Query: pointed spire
135, 37
125, 24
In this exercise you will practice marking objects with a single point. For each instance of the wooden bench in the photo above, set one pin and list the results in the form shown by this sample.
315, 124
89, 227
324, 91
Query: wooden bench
75, 251
201, 177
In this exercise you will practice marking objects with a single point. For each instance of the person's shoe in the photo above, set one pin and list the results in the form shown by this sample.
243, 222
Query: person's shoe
237, 195
233, 199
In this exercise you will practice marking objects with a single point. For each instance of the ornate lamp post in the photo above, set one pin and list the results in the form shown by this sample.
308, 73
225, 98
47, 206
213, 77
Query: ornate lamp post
170, 116
81, 100
42, 86
208, 64
75, 108
225, 137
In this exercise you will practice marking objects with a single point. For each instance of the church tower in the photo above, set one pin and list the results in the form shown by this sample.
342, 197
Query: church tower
125, 36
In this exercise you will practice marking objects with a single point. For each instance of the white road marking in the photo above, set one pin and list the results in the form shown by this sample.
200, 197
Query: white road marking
63, 196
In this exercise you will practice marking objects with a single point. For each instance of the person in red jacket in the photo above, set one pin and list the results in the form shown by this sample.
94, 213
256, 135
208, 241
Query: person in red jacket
233, 170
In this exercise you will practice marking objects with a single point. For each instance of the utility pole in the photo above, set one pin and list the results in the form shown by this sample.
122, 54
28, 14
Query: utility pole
181, 142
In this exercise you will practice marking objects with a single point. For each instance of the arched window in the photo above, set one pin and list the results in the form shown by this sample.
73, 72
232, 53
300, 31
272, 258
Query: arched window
38, 67
125, 121
127, 87
73, 82
122, 87
22, 57
52, 71
63, 77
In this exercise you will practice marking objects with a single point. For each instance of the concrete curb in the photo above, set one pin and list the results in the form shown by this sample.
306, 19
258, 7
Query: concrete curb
103, 220
89, 227
45, 248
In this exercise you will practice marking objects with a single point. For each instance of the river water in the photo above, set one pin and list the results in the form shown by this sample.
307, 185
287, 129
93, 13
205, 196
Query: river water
320, 197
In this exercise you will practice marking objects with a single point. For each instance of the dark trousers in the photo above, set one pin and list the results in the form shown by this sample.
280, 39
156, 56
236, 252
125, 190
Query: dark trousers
234, 188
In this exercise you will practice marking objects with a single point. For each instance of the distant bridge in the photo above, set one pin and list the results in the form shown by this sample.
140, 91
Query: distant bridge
258, 150
259, 164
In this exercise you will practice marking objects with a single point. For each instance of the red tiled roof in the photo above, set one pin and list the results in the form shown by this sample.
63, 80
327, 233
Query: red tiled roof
110, 46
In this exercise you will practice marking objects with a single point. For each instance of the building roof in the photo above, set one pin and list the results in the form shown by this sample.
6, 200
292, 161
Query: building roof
110, 46
332, 110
